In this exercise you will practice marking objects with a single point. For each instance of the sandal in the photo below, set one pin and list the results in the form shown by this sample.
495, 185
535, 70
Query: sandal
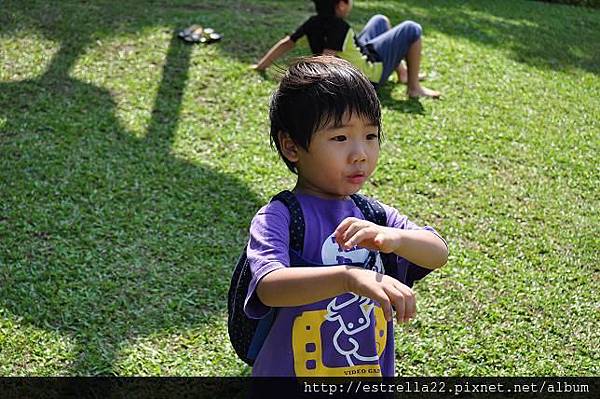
198, 34
189, 30
210, 36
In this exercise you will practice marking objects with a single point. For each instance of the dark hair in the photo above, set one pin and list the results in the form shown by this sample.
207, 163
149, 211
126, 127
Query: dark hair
326, 8
316, 92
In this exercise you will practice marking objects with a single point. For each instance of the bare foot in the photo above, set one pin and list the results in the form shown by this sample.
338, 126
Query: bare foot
423, 92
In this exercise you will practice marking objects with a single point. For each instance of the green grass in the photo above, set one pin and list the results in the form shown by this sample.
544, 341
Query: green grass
131, 165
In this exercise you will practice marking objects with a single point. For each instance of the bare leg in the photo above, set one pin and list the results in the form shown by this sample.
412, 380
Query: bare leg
413, 61
402, 74
401, 71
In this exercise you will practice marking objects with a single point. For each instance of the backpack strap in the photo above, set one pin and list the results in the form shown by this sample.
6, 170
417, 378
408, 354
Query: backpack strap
370, 208
248, 335
296, 219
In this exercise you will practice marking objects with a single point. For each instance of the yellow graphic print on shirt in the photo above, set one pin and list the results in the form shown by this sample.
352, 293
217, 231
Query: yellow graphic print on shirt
352, 328
307, 342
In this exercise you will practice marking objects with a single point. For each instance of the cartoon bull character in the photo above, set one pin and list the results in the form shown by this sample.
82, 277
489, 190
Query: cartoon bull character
354, 316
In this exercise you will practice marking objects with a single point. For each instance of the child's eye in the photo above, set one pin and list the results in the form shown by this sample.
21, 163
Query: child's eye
339, 138
372, 136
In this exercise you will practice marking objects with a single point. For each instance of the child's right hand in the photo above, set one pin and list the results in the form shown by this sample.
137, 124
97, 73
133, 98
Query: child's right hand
385, 290
255, 67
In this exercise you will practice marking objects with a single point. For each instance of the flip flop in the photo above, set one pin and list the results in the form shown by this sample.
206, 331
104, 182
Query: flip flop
195, 36
189, 30
198, 34
212, 37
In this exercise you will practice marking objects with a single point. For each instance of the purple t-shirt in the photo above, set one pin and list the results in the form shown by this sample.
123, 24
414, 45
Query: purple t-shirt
342, 336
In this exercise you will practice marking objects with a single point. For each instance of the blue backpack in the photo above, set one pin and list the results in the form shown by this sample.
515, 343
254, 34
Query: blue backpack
248, 335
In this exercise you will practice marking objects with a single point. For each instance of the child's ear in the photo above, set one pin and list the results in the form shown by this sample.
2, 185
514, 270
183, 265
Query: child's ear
289, 149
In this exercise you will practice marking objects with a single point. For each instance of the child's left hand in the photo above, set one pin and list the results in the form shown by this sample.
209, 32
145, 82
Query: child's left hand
353, 231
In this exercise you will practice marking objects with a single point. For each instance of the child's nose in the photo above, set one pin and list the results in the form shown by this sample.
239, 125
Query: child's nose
359, 153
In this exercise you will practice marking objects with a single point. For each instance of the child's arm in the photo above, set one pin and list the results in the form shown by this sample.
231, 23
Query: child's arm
421, 247
279, 49
296, 286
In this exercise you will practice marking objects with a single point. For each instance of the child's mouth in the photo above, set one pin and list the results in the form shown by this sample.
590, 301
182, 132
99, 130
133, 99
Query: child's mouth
357, 178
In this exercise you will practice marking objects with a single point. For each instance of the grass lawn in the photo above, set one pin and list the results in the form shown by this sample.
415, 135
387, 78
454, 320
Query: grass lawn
131, 165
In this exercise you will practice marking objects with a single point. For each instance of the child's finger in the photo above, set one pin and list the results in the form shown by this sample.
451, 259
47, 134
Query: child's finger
341, 229
397, 300
410, 311
344, 225
351, 231
360, 236
410, 303
400, 306
384, 301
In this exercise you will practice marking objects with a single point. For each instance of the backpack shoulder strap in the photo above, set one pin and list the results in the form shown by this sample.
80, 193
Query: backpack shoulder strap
370, 208
296, 219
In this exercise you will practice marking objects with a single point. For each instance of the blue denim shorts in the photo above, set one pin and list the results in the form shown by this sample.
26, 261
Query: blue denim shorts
389, 46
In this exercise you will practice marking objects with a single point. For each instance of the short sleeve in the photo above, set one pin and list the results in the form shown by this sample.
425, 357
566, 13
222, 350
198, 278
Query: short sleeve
298, 33
268, 250
404, 270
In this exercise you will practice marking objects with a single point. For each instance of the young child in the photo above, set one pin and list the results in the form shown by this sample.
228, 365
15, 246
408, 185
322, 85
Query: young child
332, 319
377, 51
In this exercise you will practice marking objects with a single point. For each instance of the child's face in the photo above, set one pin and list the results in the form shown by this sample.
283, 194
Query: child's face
339, 159
343, 8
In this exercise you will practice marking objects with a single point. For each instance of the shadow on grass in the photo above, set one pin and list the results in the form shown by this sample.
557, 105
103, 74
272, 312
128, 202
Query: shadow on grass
107, 237
543, 35
89, 22
407, 105
101, 231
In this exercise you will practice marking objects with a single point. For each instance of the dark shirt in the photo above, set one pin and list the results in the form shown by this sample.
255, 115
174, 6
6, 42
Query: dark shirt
323, 32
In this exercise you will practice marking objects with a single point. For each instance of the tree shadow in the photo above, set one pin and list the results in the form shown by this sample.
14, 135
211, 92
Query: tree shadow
543, 35
101, 230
